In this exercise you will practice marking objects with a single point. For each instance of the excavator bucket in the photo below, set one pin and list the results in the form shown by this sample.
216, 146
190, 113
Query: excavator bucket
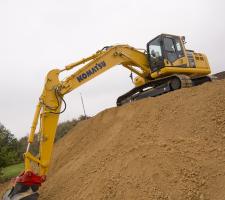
25, 187
21, 192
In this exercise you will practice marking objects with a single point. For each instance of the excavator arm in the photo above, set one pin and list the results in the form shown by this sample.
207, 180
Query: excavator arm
49, 108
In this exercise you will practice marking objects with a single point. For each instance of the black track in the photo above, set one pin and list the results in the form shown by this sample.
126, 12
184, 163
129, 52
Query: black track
161, 86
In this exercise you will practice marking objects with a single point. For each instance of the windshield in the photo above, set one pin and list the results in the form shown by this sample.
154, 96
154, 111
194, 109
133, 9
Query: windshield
155, 54
155, 48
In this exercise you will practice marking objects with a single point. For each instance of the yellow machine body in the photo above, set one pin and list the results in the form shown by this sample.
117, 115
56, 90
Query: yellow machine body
165, 56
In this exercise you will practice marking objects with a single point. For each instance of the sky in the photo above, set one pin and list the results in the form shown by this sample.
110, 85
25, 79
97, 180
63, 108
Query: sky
37, 36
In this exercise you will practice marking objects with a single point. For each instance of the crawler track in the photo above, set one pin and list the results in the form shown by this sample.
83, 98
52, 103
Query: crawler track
161, 86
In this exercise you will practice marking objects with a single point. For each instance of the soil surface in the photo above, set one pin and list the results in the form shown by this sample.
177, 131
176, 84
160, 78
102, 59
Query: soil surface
4, 187
220, 75
170, 147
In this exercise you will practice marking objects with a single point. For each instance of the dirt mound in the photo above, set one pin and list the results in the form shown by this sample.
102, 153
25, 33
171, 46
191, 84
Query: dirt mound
4, 187
170, 147
220, 75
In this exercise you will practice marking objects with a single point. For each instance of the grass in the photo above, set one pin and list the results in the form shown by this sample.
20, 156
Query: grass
11, 171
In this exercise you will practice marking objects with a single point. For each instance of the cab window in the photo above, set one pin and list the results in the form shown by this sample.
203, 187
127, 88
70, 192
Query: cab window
155, 48
155, 54
172, 48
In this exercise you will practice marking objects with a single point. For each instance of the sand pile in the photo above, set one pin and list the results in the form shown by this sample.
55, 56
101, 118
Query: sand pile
220, 75
4, 187
170, 147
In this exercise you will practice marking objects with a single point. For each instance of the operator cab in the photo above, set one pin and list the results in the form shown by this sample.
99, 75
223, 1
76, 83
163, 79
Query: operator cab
164, 50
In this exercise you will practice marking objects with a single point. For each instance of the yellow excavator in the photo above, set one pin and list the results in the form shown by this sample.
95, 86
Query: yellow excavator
166, 65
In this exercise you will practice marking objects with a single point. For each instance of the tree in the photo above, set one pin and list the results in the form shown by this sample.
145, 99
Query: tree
22, 146
8, 147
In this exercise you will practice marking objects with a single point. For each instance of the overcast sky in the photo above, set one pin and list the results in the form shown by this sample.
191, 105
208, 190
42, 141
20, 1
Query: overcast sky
37, 36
